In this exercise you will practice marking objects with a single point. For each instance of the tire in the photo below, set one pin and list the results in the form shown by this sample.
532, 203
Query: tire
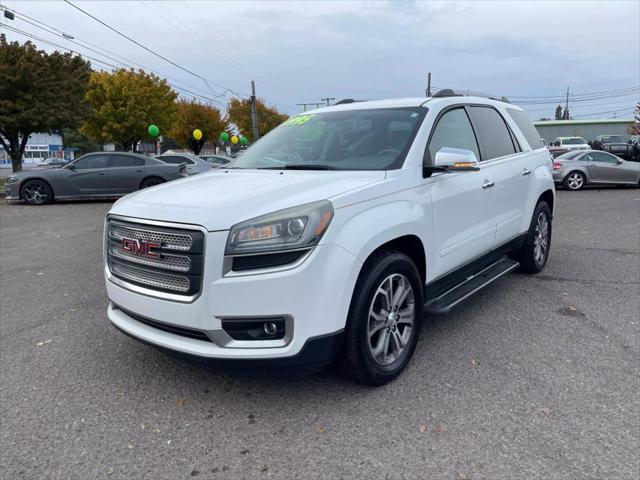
535, 251
150, 182
575, 181
374, 360
36, 192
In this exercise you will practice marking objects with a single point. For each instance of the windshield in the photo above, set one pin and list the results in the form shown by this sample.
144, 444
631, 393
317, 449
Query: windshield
373, 139
613, 139
573, 141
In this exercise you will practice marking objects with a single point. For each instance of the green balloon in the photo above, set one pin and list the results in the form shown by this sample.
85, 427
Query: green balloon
224, 136
153, 130
243, 140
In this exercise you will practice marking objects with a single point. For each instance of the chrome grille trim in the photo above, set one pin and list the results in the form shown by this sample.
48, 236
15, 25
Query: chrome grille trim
179, 263
171, 241
152, 279
177, 275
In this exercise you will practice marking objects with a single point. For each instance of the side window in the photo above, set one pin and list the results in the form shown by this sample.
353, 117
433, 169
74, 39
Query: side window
493, 132
94, 161
603, 157
527, 128
125, 161
453, 130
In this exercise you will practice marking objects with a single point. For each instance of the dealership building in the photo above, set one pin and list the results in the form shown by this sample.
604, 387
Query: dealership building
40, 146
587, 129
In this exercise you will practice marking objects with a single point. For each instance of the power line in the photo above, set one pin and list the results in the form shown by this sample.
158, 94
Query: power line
148, 49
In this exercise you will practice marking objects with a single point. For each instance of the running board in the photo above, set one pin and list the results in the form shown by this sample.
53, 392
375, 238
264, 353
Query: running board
473, 283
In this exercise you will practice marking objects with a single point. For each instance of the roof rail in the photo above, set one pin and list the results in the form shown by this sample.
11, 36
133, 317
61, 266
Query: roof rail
347, 100
449, 92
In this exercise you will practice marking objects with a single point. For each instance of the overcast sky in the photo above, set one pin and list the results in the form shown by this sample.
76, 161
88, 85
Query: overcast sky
303, 51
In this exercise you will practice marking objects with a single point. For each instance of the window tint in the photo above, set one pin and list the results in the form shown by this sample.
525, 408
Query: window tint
492, 132
527, 128
126, 161
175, 159
94, 161
453, 130
602, 157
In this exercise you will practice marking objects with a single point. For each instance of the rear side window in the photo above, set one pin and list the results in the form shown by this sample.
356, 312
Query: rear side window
126, 161
94, 161
453, 130
493, 132
527, 128
176, 160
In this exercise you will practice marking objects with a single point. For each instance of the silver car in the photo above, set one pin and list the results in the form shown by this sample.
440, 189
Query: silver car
96, 175
576, 169
192, 163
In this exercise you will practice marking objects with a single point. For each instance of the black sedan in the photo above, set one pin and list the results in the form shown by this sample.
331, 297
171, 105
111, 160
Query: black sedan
95, 175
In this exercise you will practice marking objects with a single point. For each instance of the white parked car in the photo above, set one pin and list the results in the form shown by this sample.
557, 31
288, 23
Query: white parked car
571, 143
334, 235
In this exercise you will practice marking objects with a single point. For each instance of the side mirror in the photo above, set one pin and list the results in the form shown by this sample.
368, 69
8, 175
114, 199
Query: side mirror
71, 166
454, 160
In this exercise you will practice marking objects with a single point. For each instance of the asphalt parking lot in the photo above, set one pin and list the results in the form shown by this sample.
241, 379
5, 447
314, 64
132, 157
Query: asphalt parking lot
536, 377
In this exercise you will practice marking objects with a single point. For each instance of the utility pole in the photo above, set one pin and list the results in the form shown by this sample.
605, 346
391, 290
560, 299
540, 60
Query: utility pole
429, 84
254, 112
566, 106
328, 99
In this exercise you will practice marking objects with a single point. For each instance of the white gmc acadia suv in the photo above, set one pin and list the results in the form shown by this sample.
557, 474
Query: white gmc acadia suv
334, 235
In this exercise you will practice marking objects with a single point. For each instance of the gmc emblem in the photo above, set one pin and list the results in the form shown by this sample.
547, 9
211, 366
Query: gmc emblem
142, 248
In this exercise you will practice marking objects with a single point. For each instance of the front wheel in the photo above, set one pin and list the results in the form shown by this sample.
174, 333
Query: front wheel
535, 251
37, 192
384, 319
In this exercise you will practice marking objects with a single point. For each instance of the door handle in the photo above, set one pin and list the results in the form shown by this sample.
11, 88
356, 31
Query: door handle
526, 172
488, 184
101, 174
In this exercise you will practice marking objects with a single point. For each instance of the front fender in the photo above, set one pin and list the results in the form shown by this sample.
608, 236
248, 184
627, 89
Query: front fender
365, 228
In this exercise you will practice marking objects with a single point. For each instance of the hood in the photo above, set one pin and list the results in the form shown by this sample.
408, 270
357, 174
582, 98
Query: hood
217, 200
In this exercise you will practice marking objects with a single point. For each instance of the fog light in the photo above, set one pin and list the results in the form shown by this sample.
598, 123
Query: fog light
270, 328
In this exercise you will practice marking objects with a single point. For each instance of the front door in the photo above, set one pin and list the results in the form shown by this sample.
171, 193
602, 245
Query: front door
604, 167
88, 175
464, 221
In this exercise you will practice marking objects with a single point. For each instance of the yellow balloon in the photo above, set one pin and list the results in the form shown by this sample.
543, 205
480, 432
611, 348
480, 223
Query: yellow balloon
197, 134
234, 140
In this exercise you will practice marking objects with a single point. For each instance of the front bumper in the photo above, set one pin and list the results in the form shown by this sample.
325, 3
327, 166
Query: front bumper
12, 191
315, 294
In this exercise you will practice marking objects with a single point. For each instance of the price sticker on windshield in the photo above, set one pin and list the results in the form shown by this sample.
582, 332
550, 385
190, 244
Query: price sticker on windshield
298, 120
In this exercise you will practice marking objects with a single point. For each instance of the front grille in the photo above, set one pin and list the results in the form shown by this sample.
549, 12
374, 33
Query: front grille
164, 259
175, 329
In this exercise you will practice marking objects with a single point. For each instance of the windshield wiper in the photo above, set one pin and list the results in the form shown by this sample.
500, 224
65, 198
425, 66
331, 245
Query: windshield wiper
301, 166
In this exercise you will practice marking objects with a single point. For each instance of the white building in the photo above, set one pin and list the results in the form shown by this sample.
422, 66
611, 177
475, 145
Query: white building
40, 146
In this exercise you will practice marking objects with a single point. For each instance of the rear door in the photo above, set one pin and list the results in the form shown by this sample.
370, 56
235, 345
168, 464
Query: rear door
604, 167
89, 175
504, 169
125, 173
464, 223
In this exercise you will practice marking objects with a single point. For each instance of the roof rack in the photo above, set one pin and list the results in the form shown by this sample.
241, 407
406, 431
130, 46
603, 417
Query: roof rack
449, 92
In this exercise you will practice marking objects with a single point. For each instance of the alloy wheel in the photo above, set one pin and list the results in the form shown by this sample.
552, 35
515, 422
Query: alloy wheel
36, 193
391, 319
541, 238
575, 181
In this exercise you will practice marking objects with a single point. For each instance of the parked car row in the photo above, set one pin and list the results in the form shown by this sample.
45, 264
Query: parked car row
101, 174
575, 169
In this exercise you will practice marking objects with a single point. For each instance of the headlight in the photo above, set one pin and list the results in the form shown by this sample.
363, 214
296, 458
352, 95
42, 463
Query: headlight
11, 180
289, 229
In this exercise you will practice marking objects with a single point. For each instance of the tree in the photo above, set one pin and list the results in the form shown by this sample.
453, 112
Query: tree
558, 112
74, 138
191, 115
39, 92
239, 113
123, 105
634, 128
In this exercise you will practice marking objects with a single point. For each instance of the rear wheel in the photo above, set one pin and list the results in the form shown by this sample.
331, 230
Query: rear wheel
575, 181
150, 182
535, 251
36, 192
384, 319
